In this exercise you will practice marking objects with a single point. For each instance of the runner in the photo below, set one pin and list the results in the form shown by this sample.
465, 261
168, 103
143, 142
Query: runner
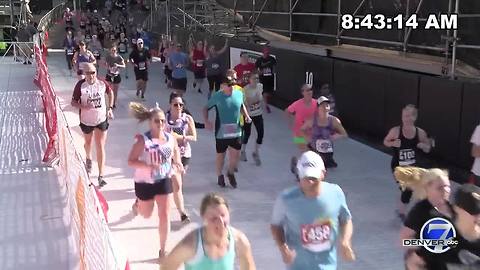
96, 47
266, 66
83, 22
325, 91
302, 110
198, 56
68, 19
178, 61
406, 146
69, 46
229, 106
253, 103
432, 188
215, 67
114, 62
325, 129
475, 140
244, 69
123, 50
81, 57
154, 156
89, 97
310, 219
140, 58
215, 245
182, 127
166, 48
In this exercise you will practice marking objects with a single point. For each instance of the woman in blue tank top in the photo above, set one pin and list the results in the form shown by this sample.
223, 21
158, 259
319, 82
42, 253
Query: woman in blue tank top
325, 129
215, 245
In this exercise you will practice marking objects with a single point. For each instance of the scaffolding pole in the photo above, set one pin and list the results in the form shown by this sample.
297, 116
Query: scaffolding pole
454, 45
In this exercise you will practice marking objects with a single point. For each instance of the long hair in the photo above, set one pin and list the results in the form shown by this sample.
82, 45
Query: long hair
142, 113
417, 179
212, 199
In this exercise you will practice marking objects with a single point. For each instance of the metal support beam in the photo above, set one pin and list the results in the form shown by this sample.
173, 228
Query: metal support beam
259, 14
455, 40
339, 20
409, 31
354, 13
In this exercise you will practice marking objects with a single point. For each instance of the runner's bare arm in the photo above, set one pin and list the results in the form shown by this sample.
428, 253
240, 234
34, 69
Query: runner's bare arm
392, 137
339, 129
192, 131
346, 231
475, 150
135, 153
110, 95
122, 65
244, 251
406, 233
245, 112
225, 46
424, 141
181, 253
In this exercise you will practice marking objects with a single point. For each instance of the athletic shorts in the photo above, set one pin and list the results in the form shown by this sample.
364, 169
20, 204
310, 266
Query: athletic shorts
185, 161
199, 74
89, 129
299, 140
115, 79
223, 144
268, 84
180, 84
141, 75
146, 191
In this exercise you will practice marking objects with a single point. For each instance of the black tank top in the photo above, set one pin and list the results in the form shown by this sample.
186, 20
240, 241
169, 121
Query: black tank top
407, 153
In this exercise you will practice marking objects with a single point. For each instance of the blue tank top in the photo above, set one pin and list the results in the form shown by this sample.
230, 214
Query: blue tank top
201, 261
81, 58
321, 136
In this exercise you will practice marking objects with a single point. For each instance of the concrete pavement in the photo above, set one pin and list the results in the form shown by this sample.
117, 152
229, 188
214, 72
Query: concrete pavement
363, 173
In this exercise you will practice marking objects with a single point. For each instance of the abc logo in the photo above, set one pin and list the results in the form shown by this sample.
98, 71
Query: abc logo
441, 232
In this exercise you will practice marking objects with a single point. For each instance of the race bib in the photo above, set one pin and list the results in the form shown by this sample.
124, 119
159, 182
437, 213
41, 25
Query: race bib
82, 23
324, 146
69, 51
179, 66
113, 70
95, 102
215, 66
406, 157
230, 130
246, 75
142, 66
316, 237
267, 72
255, 108
96, 53
199, 63
122, 48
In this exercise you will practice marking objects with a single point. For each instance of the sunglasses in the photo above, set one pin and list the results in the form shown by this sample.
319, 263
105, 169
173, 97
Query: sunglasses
178, 104
140, 43
159, 121
90, 72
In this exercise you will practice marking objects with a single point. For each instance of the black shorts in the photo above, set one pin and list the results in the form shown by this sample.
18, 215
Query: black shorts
98, 57
141, 75
179, 84
146, 192
89, 129
223, 144
168, 73
199, 74
115, 79
268, 84
185, 161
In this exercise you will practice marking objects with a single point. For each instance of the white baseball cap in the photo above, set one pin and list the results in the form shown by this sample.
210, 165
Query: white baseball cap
311, 165
139, 40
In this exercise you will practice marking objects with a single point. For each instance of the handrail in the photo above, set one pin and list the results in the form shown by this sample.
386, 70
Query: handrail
46, 20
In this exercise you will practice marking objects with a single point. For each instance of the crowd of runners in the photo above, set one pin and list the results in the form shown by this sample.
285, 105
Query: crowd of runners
310, 220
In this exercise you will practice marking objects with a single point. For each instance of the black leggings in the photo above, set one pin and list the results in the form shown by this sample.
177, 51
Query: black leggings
214, 82
69, 61
247, 129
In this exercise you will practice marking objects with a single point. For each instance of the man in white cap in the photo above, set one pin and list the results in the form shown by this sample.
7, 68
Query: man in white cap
140, 58
309, 220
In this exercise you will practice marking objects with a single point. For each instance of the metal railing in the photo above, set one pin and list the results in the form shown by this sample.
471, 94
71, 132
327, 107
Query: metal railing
21, 52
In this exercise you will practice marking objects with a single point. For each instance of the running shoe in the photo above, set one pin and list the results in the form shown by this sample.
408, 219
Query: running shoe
101, 182
184, 218
232, 180
256, 157
142, 98
293, 165
221, 180
194, 85
135, 208
138, 93
243, 156
88, 165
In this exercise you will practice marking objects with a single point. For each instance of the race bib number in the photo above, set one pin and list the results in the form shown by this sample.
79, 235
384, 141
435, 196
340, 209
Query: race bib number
316, 237
406, 157
82, 23
70, 51
122, 48
113, 70
267, 72
215, 66
134, 40
96, 53
199, 63
179, 66
142, 66
95, 102
324, 146
230, 130
255, 108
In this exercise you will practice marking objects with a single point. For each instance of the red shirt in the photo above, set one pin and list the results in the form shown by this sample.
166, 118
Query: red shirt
198, 60
243, 73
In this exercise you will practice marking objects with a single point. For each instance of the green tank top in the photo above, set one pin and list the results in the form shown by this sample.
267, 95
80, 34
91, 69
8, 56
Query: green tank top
201, 261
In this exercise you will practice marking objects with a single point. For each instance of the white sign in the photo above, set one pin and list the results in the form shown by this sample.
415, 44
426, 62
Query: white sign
252, 57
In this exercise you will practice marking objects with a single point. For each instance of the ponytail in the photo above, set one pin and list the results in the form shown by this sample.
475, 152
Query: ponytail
141, 112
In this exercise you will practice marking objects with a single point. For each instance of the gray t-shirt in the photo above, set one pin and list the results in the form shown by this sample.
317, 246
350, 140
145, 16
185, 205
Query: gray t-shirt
111, 61
214, 65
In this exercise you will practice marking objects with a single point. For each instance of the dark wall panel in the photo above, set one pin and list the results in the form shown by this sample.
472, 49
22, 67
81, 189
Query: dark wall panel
439, 114
470, 119
401, 88
322, 71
